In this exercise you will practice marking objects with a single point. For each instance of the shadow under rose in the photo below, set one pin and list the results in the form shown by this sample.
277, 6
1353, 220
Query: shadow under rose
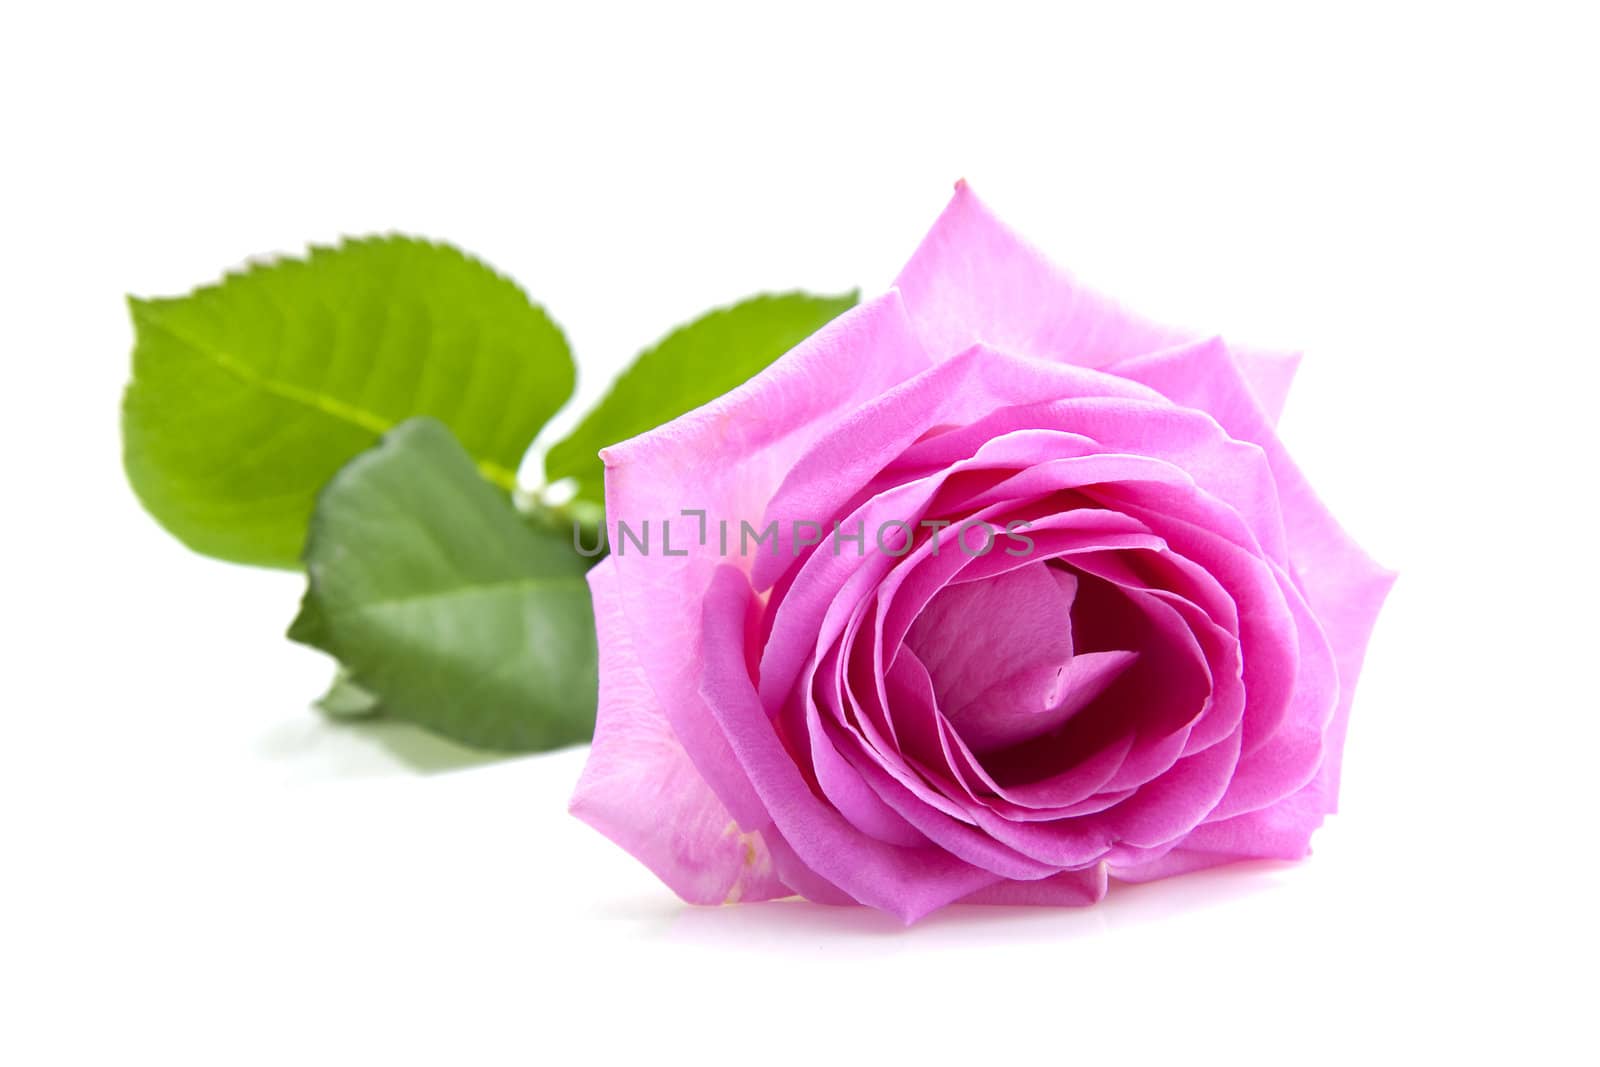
1126, 904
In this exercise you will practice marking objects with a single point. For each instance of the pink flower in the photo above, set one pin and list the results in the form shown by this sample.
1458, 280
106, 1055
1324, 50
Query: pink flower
1130, 652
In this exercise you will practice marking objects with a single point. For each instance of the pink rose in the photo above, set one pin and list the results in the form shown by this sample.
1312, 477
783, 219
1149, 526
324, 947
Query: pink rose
1045, 601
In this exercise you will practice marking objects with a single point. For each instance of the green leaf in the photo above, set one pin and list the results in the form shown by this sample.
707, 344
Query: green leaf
443, 605
690, 366
345, 699
248, 395
309, 627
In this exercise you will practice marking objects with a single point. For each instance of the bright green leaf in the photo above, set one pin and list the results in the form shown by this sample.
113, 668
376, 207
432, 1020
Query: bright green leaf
690, 366
444, 605
248, 395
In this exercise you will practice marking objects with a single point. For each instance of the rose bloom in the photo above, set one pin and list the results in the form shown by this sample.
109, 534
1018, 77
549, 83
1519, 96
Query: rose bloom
1047, 602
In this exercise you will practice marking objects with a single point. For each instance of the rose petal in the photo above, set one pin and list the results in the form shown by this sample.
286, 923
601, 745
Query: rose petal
1084, 677
962, 389
1344, 587
1294, 752
907, 882
996, 650
1179, 860
757, 431
1069, 889
640, 789
974, 280
851, 796
953, 835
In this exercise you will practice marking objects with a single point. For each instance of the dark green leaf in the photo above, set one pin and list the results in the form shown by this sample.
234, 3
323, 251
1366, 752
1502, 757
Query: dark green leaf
690, 366
248, 395
443, 604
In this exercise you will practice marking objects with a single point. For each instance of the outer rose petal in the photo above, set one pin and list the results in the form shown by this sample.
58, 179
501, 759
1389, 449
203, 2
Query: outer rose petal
1067, 889
974, 280
639, 788
728, 457
1179, 861
1343, 585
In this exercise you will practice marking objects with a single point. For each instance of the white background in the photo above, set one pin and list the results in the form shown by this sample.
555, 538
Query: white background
198, 869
